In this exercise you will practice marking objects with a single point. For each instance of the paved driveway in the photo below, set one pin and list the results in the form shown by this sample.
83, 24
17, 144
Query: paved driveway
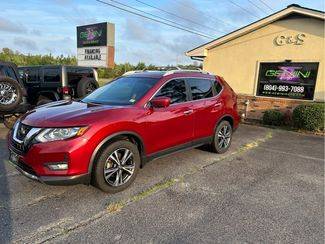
268, 188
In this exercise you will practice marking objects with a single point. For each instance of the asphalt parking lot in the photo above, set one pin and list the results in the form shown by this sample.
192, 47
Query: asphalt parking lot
268, 188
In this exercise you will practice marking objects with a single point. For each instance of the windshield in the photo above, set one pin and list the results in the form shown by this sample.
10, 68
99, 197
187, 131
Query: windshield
122, 91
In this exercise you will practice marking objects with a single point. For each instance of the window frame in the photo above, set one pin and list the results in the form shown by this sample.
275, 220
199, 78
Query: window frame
200, 78
188, 98
51, 68
214, 88
37, 75
188, 89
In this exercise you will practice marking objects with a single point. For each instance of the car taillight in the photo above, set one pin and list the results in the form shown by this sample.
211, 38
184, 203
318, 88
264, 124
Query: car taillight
65, 90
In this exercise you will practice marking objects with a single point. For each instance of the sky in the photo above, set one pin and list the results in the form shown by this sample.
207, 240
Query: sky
49, 26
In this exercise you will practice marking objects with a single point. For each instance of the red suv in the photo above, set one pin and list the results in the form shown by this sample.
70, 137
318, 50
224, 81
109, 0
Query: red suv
106, 137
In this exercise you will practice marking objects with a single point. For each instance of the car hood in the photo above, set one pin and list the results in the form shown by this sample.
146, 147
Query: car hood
66, 113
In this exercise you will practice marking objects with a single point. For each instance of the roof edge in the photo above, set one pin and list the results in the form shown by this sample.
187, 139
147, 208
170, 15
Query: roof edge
293, 8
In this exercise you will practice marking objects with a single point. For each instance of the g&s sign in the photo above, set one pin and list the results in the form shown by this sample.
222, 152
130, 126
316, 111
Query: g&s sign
298, 39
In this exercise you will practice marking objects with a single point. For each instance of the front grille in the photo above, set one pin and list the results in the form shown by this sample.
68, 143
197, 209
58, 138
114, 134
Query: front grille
17, 147
22, 137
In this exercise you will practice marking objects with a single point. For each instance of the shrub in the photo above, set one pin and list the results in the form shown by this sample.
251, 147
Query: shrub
273, 117
309, 116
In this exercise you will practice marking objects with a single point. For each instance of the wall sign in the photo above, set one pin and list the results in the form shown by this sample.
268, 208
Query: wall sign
294, 80
96, 45
282, 40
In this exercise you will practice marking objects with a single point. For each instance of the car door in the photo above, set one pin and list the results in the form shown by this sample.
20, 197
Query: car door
32, 83
207, 106
51, 79
173, 125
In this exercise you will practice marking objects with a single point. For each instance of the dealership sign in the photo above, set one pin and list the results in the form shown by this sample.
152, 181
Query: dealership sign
96, 45
294, 80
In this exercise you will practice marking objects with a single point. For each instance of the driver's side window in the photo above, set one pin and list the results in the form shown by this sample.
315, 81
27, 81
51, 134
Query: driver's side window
175, 90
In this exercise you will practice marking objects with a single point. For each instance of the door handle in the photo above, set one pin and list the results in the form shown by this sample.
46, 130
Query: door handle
217, 105
188, 112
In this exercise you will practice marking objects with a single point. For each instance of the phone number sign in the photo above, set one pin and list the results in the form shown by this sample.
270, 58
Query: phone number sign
295, 80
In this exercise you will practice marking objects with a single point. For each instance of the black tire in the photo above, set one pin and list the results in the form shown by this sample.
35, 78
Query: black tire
86, 86
10, 94
104, 160
222, 137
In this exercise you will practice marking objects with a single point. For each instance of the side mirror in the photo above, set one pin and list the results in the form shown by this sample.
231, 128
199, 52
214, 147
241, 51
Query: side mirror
160, 102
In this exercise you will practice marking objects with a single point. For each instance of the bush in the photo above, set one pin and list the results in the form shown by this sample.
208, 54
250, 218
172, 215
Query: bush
273, 117
309, 116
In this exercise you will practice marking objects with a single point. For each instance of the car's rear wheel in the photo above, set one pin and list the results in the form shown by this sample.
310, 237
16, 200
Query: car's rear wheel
10, 94
222, 137
116, 167
86, 86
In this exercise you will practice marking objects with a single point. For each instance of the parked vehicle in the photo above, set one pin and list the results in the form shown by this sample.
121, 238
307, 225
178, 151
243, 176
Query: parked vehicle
49, 83
106, 137
26, 87
12, 93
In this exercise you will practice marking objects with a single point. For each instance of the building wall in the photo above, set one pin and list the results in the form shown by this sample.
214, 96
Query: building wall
238, 60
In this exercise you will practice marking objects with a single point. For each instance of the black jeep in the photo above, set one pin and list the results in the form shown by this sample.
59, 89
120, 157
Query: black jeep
23, 88
55, 82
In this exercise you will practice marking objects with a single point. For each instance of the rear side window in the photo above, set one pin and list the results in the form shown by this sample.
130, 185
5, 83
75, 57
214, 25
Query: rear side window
200, 88
175, 90
217, 87
52, 75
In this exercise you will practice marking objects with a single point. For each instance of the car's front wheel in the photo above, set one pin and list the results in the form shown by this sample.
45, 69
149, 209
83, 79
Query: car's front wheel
117, 166
222, 137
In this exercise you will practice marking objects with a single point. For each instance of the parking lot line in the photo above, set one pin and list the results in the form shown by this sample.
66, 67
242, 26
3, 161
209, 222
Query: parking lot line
292, 154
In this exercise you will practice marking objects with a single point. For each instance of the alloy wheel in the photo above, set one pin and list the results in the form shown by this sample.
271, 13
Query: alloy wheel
224, 136
119, 167
8, 93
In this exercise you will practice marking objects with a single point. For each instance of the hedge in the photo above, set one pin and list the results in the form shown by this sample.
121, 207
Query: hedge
309, 116
273, 117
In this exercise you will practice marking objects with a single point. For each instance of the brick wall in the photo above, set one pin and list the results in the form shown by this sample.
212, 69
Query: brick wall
257, 105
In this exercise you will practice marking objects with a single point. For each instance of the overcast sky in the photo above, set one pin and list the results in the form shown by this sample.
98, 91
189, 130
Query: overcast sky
49, 26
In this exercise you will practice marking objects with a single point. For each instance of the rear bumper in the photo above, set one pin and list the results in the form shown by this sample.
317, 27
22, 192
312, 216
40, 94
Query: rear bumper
54, 180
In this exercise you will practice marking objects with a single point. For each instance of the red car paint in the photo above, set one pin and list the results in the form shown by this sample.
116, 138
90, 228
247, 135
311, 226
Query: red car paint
157, 129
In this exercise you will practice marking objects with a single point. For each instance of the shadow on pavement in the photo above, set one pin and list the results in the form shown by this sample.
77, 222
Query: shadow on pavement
5, 216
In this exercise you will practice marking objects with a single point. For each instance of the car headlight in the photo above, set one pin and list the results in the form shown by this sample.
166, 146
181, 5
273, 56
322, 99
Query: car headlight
58, 134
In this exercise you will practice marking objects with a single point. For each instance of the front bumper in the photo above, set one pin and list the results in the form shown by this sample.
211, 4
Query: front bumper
53, 180
33, 162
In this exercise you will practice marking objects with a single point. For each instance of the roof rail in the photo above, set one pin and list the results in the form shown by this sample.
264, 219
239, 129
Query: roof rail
168, 71
186, 70
131, 72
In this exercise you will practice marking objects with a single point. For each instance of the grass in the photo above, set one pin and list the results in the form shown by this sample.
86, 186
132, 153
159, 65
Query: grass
103, 81
117, 206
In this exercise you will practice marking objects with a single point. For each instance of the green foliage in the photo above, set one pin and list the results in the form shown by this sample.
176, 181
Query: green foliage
20, 59
273, 117
120, 69
309, 116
